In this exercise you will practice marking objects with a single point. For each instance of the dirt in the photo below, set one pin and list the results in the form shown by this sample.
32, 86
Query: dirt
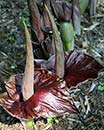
12, 59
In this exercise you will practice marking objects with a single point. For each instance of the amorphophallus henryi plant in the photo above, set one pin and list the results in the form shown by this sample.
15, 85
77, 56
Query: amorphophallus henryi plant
48, 94
43, 93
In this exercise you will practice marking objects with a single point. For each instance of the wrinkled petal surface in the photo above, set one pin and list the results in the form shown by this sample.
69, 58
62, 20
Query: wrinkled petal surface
51, 97
79, 67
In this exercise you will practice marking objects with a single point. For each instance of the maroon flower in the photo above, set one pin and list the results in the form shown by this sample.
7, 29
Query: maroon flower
51, 97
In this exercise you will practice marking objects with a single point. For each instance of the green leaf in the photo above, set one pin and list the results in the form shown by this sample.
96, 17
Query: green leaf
101, 87
13, 66
26, 20
101, 112
51, 120
30, 123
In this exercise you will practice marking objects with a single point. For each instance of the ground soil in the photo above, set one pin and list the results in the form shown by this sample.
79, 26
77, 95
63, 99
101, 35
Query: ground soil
12, 59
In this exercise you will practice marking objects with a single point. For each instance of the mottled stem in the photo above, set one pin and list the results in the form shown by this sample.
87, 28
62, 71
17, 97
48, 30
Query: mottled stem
28, 78
59, 53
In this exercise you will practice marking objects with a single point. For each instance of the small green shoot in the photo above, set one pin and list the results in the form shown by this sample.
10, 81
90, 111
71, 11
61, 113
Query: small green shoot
52, 120
30, 123
26, 20
101, 87
13, 66
101, 112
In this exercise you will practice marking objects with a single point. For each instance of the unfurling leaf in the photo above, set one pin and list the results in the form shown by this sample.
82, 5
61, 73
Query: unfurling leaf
62, 10
67, 34
92, 7
35, 20
76, 17
83, 4
46, 24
